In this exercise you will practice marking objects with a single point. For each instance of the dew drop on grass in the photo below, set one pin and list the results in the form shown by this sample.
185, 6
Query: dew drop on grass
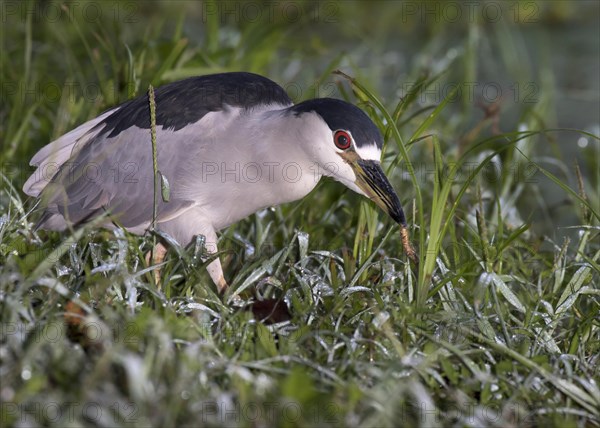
303, 244
26, 373
96, 253
380, 319
262, 383
203, 378
122, 245
322, 289
249, 249
62, 270
74, 257
105, 267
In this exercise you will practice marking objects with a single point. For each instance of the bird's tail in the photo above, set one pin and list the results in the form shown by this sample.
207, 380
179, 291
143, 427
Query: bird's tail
51, 157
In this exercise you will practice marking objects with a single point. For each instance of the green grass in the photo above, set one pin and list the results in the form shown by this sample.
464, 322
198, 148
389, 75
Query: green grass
497, 326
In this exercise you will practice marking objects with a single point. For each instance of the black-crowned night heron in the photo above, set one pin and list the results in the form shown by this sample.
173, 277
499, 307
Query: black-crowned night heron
228, 144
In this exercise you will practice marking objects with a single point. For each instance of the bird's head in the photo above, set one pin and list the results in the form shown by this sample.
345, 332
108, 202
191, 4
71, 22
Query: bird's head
346, 144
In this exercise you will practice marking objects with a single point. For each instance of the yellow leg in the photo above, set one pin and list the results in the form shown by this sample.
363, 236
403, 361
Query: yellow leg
214, 268
216, 273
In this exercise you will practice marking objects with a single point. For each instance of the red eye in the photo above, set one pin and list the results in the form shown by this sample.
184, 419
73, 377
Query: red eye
342, 140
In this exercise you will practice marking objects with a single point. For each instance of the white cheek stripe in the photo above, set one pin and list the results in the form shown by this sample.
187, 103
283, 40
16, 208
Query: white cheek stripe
370, 152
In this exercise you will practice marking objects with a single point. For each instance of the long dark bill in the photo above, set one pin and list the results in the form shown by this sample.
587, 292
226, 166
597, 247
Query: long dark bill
372, 180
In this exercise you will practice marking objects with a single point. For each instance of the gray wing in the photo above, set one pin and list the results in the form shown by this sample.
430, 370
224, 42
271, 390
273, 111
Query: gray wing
115, 175
106, 164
